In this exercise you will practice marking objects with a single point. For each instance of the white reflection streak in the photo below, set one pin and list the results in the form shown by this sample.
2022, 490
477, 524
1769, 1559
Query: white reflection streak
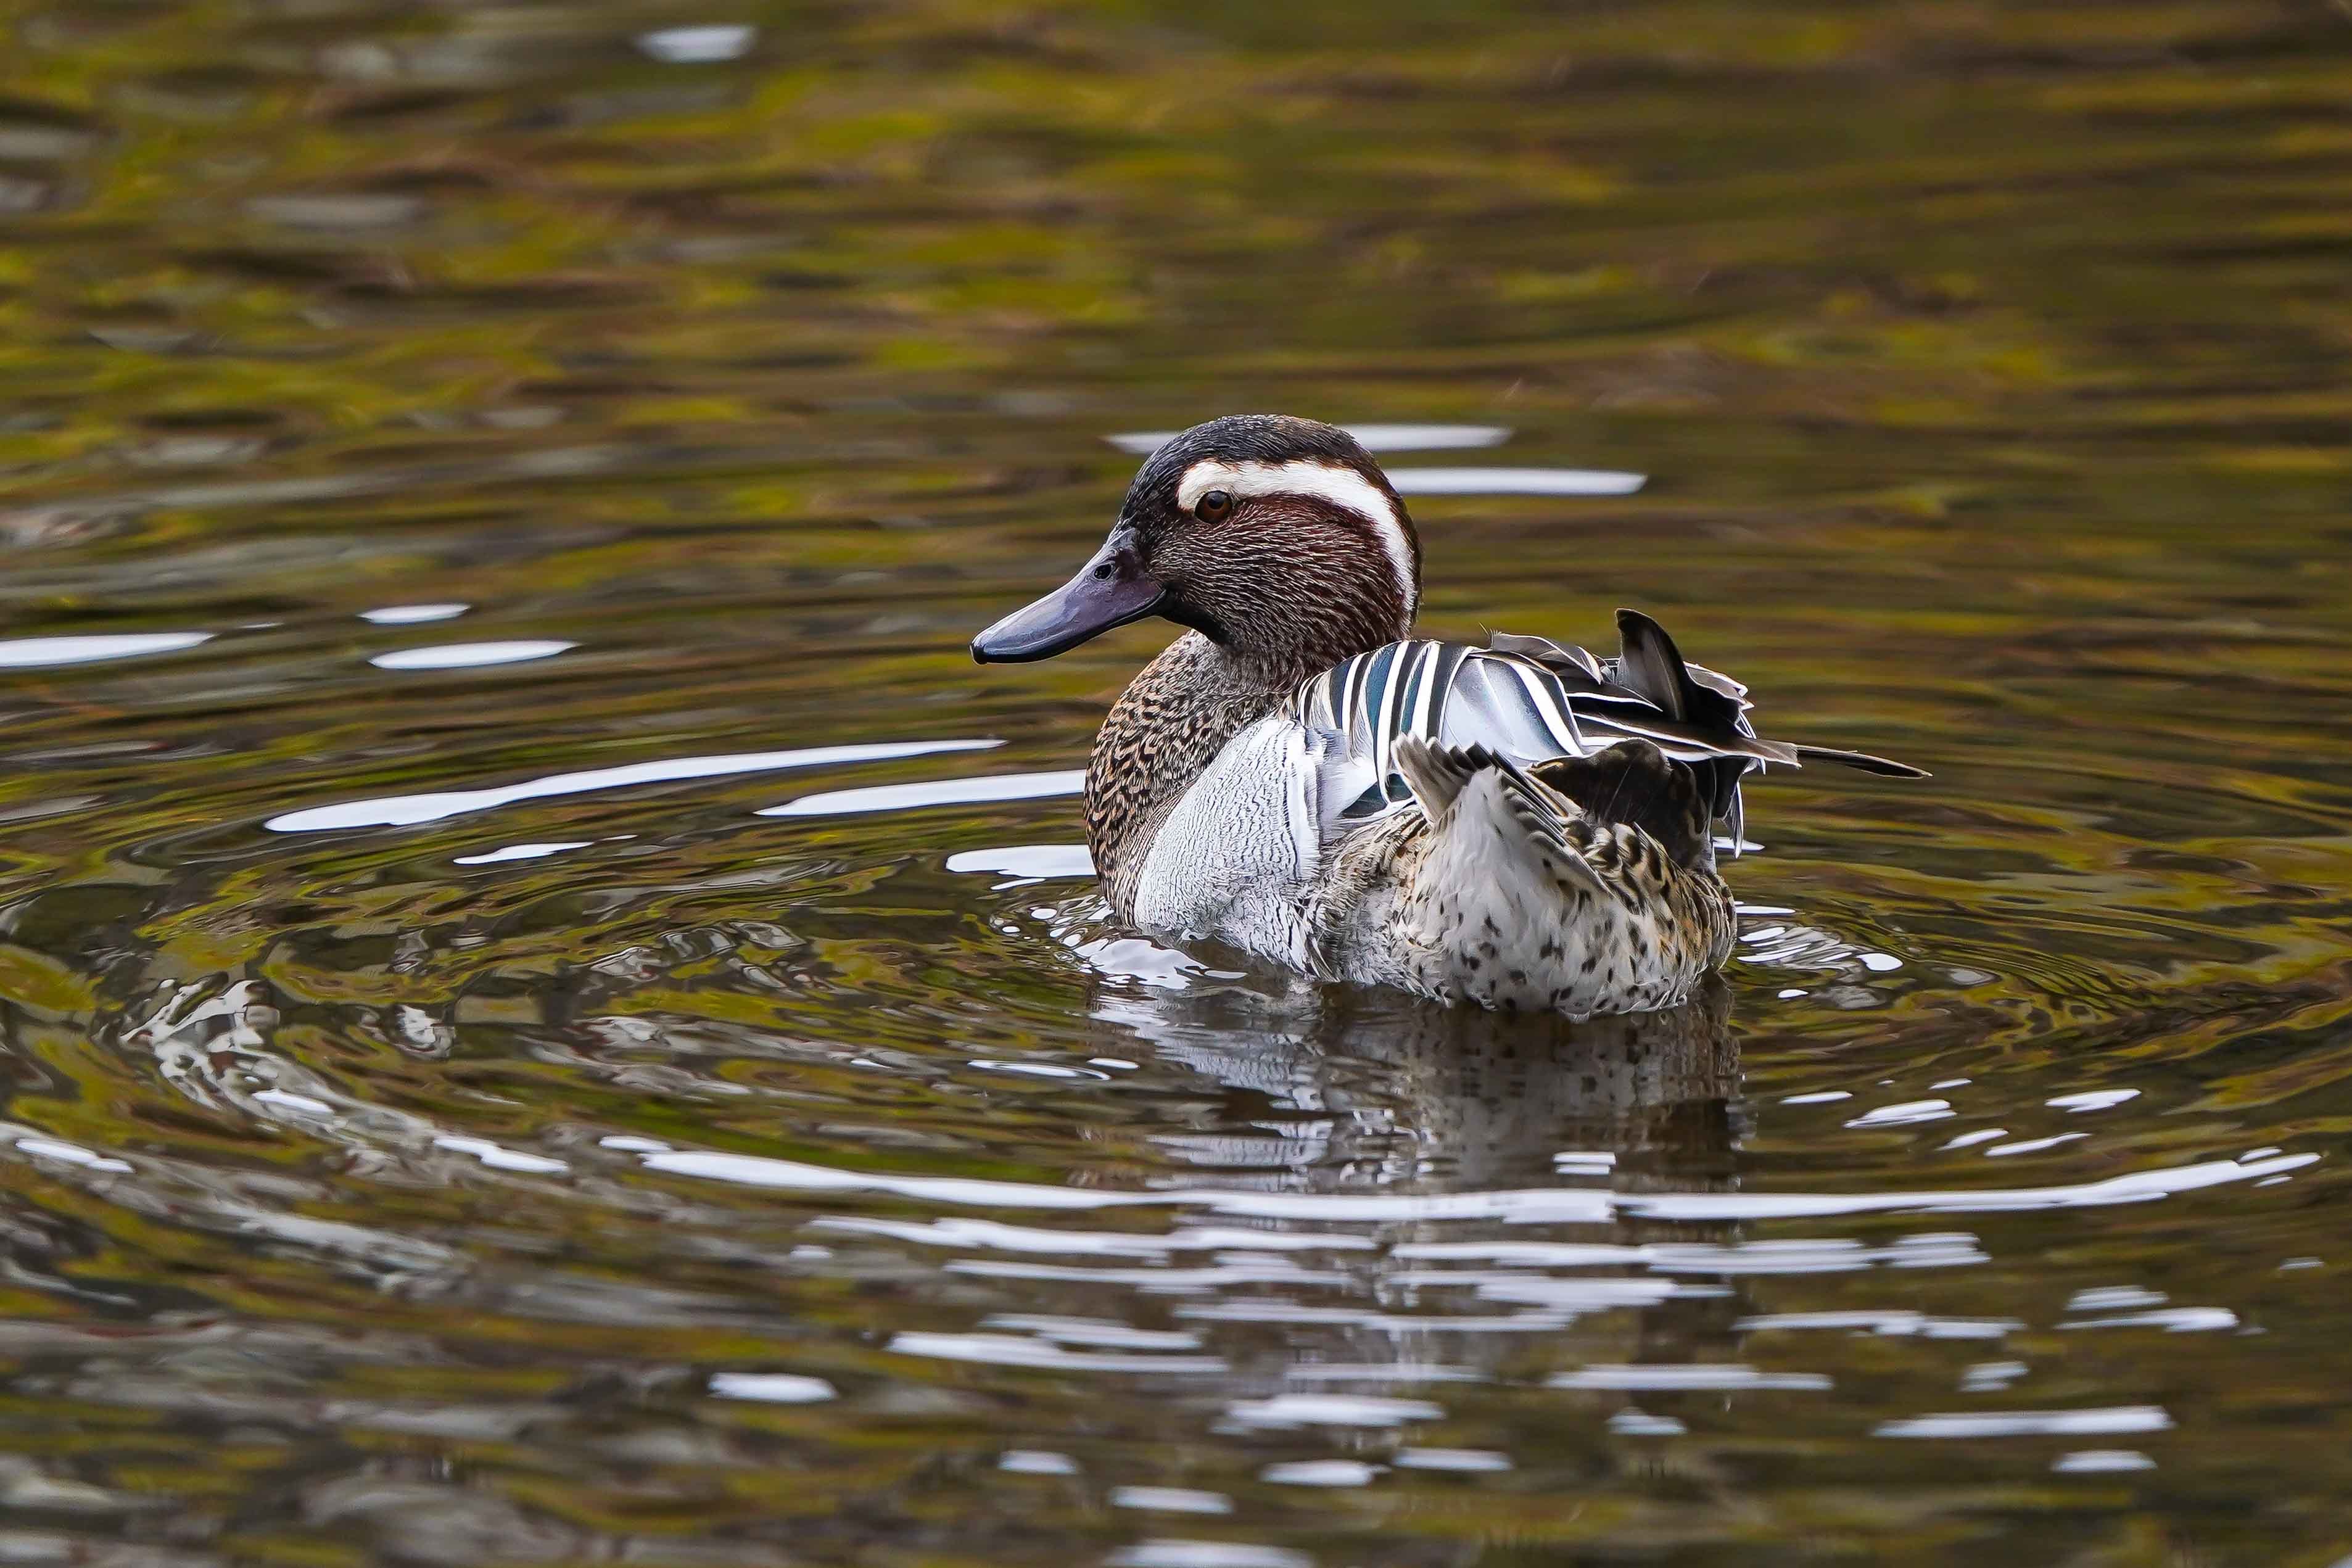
2092, 1100
2171, 1320
522, 852
1276, 1310
1901, 1115
1206, 1555
471, 655
2114, 1299
1170, 1500
1462, 1460
1582, 1293
2030, 1423
993, 1233
1650, 1377
1320, 1473
1536, 1254
772, 1387
944, 792
1891, 1324
44, 653
2100, 1461
1515, 481
1825, 1254
1332, 1410
1095, 1333
1014, 1350
1157, 1281
499, 1158
1630, 1422
699, 45
405, 810
1373, 437
1026, 862
34, 1146
1381, 1372
1548, 1205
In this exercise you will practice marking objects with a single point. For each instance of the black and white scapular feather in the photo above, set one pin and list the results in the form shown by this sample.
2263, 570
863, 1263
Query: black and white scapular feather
1530, 701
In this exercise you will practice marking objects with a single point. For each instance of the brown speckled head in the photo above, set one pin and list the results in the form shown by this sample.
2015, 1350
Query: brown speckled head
1277, 539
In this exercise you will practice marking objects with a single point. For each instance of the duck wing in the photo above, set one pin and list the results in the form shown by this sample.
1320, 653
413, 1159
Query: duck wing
1529, 701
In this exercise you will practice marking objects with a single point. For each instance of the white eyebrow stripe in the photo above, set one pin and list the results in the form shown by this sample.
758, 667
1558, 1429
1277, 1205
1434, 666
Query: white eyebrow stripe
1304, 477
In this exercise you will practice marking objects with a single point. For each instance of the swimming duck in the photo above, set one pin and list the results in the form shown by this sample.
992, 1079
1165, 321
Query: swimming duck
1523, 825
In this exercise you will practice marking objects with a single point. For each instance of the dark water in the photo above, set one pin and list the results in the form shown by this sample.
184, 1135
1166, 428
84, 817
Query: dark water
575, 1164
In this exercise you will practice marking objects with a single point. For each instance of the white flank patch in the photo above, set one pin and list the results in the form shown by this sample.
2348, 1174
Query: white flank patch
1303, 477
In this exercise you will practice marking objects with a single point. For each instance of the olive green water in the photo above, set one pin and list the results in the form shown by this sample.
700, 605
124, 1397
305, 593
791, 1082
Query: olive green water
693, 1187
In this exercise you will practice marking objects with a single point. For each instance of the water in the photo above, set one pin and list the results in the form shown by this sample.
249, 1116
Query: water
551, 1014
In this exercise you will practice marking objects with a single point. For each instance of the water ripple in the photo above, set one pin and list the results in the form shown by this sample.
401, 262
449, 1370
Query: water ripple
405, 810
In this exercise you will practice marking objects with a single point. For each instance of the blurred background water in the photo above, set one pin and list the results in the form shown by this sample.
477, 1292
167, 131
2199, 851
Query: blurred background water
464, 468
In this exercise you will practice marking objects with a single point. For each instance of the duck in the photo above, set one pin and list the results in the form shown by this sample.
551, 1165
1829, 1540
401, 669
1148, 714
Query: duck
1522, 825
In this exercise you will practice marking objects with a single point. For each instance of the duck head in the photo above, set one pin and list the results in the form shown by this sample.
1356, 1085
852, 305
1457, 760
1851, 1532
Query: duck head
1277, 539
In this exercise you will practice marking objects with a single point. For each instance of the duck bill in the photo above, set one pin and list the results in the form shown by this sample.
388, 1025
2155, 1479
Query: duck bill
1109, 591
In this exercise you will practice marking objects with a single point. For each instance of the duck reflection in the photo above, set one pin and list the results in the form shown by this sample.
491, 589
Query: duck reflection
1495, 1098
1355, 1092
1341, 1087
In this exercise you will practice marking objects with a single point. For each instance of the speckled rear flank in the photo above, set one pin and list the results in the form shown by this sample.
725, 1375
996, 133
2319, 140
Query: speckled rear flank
1516, 898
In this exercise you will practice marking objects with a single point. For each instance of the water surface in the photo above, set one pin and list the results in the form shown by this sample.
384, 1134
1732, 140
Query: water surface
550, 1015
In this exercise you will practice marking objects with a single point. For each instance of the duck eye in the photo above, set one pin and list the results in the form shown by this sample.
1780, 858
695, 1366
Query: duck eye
1214, 507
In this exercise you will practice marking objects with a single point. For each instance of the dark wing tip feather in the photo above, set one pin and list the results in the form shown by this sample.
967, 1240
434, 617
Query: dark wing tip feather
1652, 667
1862, 761
1649, 663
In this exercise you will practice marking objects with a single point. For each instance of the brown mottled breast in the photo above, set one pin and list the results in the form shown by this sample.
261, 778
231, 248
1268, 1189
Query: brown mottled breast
1166, 728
